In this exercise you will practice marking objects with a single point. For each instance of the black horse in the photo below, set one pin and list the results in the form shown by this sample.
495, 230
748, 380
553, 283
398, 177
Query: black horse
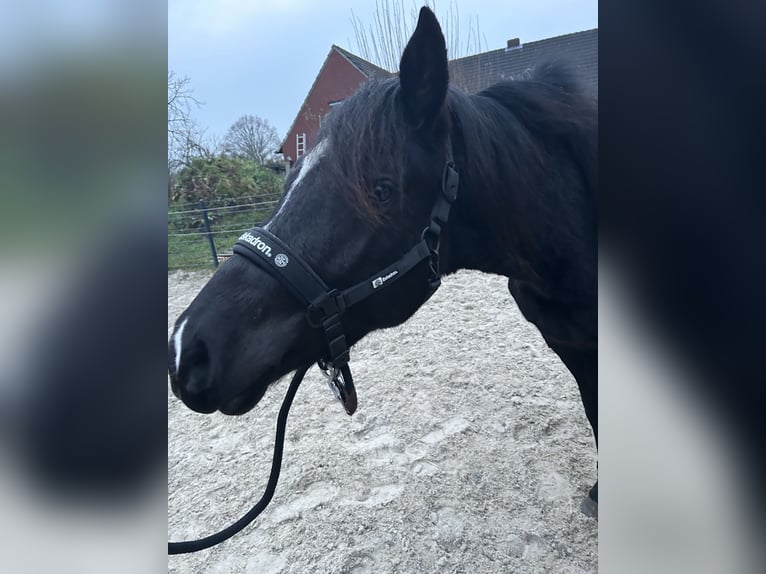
526, 153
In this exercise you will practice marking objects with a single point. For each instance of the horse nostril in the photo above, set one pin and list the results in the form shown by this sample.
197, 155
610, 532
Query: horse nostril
199, 393
197, 378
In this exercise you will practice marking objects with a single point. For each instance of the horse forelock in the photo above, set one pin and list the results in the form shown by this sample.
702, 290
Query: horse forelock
367, 132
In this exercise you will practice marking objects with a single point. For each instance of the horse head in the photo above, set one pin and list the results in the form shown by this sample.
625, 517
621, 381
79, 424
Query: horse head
353, 204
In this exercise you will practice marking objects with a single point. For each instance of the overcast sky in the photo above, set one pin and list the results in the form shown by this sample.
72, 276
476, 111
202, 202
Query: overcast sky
261, 57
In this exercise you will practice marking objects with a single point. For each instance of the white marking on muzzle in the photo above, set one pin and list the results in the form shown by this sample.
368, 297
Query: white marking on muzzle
309, 162
177, 340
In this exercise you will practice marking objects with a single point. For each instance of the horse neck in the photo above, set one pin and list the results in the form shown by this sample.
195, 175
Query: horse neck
528, 185
475, 235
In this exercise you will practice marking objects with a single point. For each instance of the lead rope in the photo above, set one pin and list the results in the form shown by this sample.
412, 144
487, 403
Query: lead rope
276, 465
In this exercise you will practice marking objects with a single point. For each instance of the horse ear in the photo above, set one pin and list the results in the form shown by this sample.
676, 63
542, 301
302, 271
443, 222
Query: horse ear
423, 73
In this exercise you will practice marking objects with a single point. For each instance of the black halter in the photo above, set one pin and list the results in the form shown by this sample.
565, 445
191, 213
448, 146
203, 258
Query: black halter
324, 307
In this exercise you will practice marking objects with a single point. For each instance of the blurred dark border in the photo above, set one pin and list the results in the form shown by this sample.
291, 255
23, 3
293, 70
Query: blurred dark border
681, 97
681, 92
83, 252
682, 119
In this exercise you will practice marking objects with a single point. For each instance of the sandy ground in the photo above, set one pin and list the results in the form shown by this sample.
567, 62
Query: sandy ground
469, 452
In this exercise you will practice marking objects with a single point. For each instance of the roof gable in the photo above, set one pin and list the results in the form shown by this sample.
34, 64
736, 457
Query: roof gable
368, 69
341, 53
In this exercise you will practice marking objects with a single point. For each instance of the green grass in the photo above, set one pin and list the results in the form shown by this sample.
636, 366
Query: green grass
188, 245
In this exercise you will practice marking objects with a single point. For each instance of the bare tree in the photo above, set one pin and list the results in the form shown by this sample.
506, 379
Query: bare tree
383, 41
252, 137
185, 138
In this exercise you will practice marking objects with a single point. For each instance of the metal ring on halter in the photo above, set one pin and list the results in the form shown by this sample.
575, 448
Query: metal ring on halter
328, 371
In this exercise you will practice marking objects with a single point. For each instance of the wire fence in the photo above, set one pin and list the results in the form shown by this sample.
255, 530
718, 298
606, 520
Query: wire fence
201, 235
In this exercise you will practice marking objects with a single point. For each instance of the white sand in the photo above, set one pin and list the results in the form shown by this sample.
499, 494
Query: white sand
469, 452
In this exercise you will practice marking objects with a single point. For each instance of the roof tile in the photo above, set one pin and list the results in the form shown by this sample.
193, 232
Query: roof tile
474, 73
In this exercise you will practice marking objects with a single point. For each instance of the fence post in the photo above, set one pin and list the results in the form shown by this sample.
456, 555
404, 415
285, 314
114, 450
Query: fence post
208, 232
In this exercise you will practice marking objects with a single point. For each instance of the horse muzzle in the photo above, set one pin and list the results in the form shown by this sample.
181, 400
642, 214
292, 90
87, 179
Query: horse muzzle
192, 381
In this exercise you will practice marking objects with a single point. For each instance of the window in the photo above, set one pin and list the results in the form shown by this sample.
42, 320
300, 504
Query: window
300, 144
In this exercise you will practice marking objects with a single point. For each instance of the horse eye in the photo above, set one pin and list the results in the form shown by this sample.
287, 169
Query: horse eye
382, 191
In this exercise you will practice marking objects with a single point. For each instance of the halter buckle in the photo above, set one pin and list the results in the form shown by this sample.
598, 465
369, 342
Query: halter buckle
432, 235
324, 307
450, 182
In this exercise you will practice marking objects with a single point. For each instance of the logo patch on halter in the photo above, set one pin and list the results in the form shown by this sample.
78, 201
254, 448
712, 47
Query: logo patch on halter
259, 244
378, 282
281, 260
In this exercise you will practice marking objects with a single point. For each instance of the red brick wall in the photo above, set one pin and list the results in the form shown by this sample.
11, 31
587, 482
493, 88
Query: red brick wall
337, 80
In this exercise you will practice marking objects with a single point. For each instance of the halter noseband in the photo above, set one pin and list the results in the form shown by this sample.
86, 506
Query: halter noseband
325, 306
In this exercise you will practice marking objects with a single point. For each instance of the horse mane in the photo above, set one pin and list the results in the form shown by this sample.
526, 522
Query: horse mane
529, 146
519, 124
552, 103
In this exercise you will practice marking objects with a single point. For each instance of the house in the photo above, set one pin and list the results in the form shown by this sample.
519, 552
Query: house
340, 76
343, 72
